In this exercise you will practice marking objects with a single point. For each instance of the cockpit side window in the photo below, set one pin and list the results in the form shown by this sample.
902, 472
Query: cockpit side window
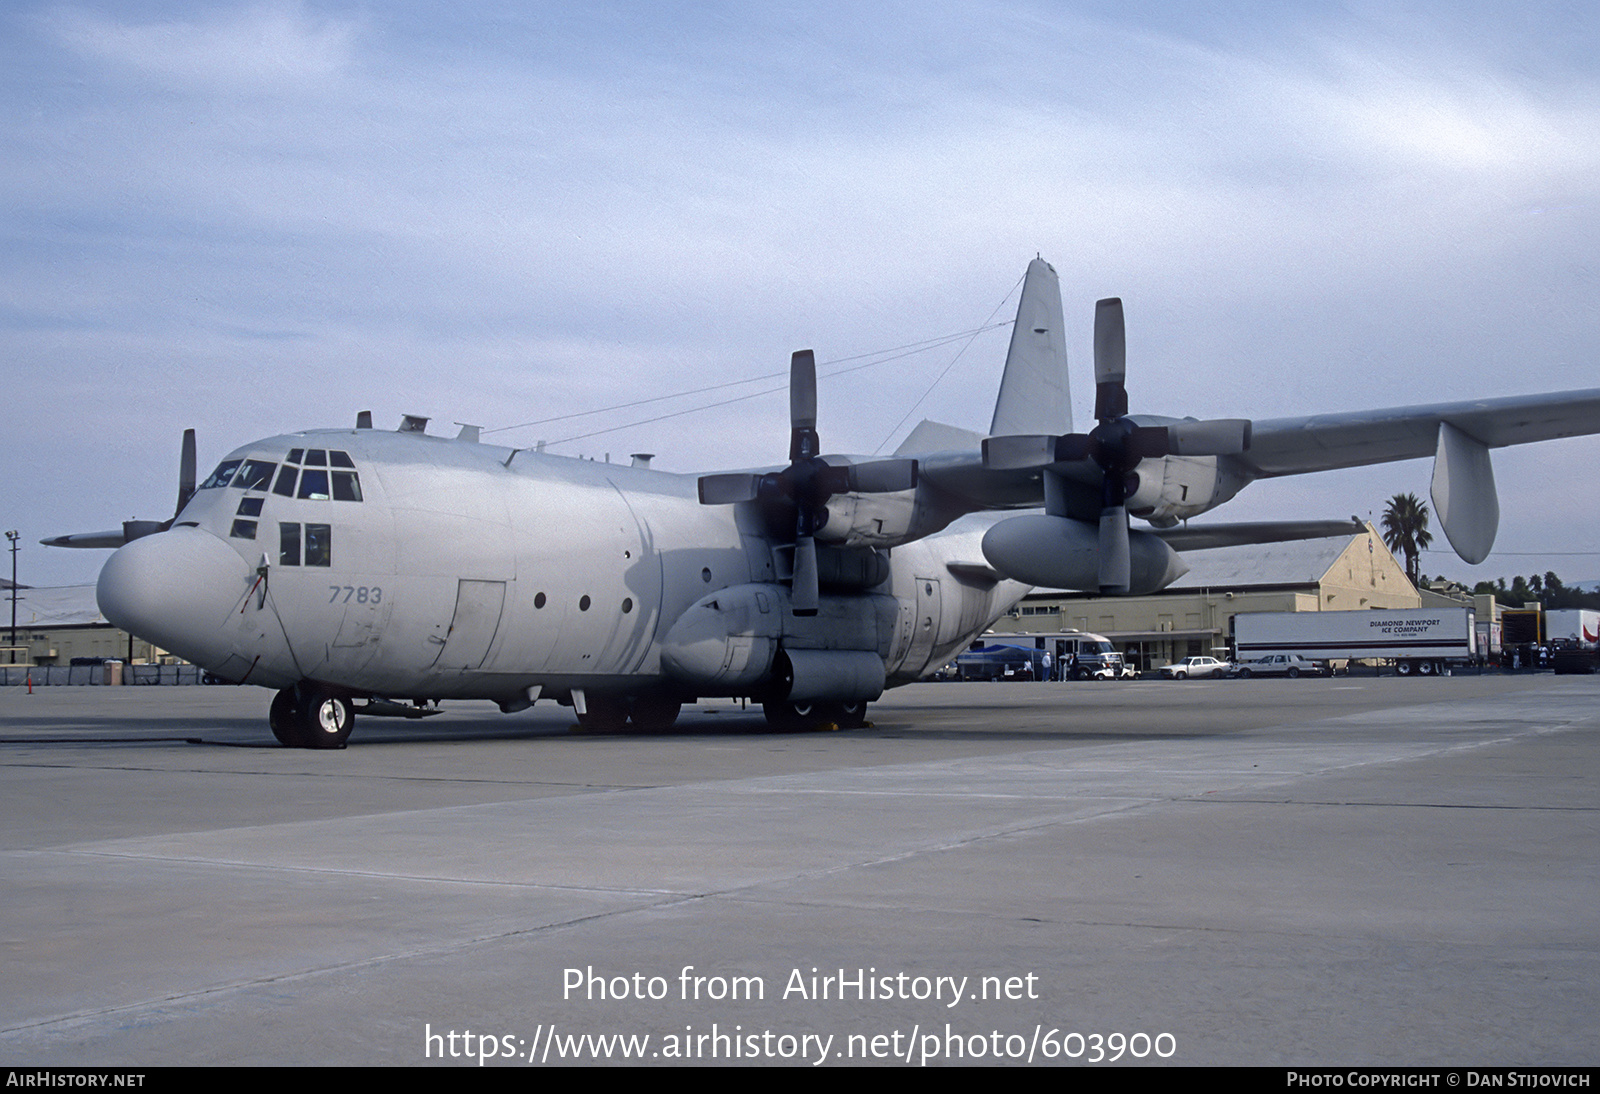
222, 475
289, 544
255, 475
319, 545
286, 479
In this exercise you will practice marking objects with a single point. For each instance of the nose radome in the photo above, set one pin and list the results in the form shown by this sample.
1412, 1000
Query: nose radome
176, 589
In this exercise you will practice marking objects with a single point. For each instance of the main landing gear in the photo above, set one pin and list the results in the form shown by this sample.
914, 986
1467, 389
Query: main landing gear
609, 714
613, 713
311, 716
786, 715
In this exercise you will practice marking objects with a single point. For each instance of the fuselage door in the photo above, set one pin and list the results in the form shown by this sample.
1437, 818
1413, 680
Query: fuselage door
924, 625
474, 625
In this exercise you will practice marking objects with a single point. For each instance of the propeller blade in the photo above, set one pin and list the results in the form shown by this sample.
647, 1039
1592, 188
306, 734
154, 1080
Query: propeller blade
1218, 437
114, 538
882, 476
1148, 442
729, 488
803, 594
1110, 360
803, 390
803, 442
1116, 563
1074, 447
186, 472
138, 529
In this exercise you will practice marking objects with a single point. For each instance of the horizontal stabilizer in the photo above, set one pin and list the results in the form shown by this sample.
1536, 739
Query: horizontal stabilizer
938, 437
975, 573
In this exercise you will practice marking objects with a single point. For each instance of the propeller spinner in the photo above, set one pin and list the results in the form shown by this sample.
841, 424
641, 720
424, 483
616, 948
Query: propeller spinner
808, 482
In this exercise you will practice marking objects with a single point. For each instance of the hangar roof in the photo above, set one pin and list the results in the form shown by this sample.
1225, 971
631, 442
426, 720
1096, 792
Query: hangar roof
53, 606
1297, 562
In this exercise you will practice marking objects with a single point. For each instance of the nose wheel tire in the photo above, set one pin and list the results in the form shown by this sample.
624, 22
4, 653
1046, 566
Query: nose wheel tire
332, 718
311, 718
284, 718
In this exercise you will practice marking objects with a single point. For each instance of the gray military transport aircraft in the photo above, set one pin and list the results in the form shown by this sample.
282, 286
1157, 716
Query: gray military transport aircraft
400, 568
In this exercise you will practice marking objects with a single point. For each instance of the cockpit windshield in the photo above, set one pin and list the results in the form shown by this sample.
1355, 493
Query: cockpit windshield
314, 483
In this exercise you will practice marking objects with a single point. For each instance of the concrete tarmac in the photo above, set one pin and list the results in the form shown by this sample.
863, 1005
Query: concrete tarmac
1310, 872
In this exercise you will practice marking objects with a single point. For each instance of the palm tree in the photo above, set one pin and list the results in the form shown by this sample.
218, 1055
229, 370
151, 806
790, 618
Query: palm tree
1405, 530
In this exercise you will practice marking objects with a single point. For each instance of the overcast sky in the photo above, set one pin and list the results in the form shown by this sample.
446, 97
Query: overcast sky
258, 218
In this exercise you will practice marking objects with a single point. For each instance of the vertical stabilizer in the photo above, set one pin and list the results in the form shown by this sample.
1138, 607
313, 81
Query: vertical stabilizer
1033, 392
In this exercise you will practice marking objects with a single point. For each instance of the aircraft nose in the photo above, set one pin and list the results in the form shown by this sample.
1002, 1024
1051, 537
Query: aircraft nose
176, 589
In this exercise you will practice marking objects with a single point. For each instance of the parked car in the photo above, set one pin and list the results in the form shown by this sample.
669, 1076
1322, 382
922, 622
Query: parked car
1279, 664
1196, 667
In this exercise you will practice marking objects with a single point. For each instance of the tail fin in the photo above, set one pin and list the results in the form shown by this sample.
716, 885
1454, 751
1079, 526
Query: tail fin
1033, 392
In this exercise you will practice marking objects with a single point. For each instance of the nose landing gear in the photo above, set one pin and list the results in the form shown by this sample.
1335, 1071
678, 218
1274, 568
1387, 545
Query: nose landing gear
311, 716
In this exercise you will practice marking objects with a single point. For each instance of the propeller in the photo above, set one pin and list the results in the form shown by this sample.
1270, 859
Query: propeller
186, 474
1117, 444
138, 529
808, 482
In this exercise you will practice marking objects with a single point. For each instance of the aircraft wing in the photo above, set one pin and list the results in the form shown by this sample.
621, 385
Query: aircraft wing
1324, 442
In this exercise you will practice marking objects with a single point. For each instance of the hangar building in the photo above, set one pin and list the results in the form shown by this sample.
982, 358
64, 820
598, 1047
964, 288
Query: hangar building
1195, 614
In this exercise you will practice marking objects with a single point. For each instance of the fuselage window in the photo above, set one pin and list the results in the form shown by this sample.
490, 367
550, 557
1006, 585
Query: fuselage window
340, 459
314, 484
286, 479
297, 455
222, 475
319, 545
257, 475
317, 457
243, 529
288, 544
250, 507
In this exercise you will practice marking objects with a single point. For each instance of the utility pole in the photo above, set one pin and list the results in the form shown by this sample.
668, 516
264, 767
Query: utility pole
13, 536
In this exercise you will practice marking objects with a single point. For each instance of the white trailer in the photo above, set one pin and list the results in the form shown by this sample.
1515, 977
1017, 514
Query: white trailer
1579, 626
1419, 641
1574, 637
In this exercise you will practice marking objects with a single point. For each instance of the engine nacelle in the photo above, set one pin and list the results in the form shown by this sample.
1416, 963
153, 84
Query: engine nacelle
836, 675
1173, 488
874, 520
725, 642
1062, 553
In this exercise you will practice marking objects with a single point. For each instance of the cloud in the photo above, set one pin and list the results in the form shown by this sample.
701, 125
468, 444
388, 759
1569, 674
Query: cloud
269, 45
502, 214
